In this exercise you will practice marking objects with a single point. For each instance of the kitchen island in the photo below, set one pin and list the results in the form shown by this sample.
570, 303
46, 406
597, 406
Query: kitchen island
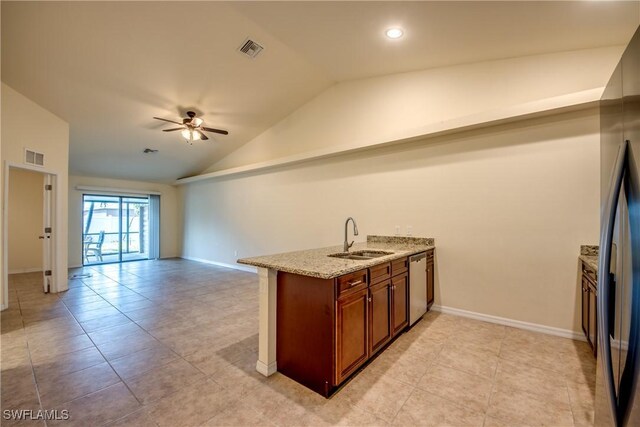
322, 315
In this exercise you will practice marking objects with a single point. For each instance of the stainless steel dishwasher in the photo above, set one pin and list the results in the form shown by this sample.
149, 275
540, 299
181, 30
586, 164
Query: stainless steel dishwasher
417, 287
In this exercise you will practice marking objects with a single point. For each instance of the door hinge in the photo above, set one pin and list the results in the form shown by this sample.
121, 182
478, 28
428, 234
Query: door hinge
47, 229
47, 272
48, 187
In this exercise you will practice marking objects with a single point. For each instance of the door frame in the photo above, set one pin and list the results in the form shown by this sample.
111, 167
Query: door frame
55, 215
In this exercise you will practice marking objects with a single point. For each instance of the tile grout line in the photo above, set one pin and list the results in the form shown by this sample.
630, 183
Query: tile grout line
33, 372
493, 382
142, 405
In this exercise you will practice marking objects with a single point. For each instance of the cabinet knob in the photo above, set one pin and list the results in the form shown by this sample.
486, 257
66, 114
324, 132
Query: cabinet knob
369, 299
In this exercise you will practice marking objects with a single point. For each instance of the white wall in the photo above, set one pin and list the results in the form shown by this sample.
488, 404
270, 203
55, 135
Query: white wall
509, 207
25, 221
169, 213
27, 125
395, 107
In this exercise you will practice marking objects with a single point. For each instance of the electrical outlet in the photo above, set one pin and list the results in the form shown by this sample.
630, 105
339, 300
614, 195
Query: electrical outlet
409, 230
235, 253
397, 230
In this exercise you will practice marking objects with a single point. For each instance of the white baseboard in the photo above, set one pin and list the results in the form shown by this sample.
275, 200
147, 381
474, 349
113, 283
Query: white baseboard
246, 268
550, 330
25, 270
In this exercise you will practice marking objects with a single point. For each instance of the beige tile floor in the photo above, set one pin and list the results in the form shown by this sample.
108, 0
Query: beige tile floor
174, 342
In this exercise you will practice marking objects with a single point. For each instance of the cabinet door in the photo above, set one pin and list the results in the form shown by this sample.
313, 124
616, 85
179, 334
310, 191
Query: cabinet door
430, 290
400, 298
379, 315
593, 319
351, 333
585, 307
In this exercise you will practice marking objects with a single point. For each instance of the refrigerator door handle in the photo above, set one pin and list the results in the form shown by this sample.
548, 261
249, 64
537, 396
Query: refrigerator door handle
604, 279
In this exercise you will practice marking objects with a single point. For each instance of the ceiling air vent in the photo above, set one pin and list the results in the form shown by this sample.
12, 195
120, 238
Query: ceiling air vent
33, 158
250, 48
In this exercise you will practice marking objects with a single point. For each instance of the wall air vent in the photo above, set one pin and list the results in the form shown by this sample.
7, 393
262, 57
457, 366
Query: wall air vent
250, 48
33, 157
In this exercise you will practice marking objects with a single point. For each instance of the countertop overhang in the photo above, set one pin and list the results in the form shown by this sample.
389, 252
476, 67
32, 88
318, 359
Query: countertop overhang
590, 261
318, 263
589, 256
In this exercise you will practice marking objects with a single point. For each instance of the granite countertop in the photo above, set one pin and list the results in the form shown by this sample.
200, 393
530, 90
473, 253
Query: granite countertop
317, 263
589, 256
590, 261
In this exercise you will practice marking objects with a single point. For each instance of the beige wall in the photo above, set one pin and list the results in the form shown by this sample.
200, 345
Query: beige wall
169, 212
509, 207
378, 110
25, 220
27, 125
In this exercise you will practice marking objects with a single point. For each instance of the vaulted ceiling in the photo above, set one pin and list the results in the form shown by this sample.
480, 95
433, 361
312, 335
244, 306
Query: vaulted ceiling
108, 68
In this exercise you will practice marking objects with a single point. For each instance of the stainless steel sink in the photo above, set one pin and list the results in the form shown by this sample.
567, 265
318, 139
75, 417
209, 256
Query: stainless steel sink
372, 254
360, 255
350, 256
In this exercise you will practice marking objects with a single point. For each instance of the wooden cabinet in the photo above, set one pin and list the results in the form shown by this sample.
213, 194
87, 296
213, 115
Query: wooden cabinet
400, 301
389, 303
352, 348
585, 306
328, 328
379, 273
593, 319
589, 293
430, 272
380, 312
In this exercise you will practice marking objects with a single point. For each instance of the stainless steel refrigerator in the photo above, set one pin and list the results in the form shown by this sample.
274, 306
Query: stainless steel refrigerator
617, 394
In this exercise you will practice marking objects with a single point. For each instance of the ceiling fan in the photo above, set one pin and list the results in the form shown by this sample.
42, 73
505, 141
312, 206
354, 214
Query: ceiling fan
191, 127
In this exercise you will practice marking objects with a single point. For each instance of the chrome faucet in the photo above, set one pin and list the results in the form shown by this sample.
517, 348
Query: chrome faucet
347, 245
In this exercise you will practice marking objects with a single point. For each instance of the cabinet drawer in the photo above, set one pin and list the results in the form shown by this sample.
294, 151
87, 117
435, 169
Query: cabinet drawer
399, 266
379, 273
352, 282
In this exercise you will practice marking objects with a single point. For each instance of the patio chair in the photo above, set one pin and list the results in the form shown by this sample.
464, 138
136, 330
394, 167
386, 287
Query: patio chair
92, 248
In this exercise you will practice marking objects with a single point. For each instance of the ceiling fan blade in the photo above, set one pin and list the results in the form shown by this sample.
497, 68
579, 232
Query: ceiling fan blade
203, 136
223, 132
167, 120
171, 130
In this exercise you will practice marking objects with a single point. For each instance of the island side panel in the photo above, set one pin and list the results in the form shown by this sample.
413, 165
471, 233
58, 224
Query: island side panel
266, 364
305, 323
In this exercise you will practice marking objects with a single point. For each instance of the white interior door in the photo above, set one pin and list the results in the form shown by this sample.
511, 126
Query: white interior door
47, 228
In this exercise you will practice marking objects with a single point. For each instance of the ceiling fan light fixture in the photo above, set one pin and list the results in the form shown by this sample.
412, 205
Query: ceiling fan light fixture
394, 33
191, 128
191, 135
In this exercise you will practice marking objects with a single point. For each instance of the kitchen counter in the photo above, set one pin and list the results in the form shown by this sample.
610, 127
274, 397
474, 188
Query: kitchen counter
317, 263
590, 261
589, 256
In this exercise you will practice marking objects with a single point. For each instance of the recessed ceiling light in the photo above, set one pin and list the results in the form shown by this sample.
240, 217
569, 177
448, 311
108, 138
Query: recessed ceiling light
394, 33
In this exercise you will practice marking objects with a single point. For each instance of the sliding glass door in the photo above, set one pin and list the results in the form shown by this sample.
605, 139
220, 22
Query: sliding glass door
115, 229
